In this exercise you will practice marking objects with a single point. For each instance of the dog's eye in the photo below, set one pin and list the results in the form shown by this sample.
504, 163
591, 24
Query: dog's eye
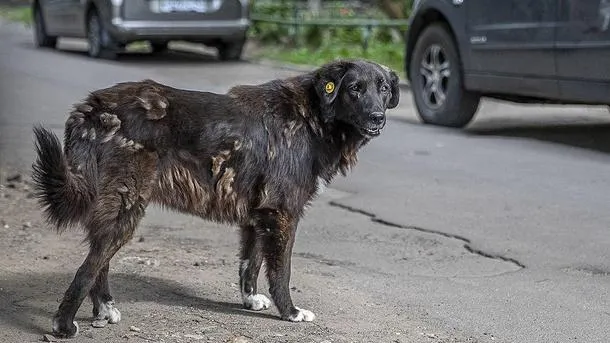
385, 88
355, 88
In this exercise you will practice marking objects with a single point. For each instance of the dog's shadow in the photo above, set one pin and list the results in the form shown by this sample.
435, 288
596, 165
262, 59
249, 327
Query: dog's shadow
28, 301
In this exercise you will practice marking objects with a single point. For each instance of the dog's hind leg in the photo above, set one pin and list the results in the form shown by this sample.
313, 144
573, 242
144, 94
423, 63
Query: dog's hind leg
100, 253
277, 231
103, 303
126, 187
250, 265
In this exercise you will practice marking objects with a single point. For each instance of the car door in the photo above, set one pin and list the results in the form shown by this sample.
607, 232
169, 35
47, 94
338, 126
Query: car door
583, 50
512, 44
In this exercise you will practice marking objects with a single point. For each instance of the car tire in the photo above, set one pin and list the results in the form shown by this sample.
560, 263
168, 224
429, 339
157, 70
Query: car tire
42, 38
230, 51
100, 44
437, 81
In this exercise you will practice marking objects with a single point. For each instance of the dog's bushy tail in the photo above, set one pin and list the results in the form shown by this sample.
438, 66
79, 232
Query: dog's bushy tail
66, 197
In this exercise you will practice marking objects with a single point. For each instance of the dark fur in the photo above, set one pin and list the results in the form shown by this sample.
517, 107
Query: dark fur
251, 157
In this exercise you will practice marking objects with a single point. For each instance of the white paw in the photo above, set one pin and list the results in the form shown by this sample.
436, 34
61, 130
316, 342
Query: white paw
114, 315
302, 316
256, 302
108, 314
99, 323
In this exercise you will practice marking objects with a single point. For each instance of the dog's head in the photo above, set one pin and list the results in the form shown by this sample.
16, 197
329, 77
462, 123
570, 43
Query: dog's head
357, 93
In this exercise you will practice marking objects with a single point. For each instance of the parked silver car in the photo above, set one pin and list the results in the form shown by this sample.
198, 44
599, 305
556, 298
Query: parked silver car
109, 25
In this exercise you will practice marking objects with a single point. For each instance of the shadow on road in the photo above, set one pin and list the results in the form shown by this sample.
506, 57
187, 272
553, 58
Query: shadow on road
168, 57
592, 136
174, 56
27, 300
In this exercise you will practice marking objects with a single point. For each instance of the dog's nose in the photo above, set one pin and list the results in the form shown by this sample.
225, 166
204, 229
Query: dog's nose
377, 118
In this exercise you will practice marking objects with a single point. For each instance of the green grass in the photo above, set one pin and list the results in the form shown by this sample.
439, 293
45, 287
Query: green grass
18, 14
391, 55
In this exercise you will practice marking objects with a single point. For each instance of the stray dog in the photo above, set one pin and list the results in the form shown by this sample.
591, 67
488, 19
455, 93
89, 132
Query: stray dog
254, 157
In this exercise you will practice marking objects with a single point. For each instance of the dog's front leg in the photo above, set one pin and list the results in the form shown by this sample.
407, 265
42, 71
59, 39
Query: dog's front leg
278, 233
249, 267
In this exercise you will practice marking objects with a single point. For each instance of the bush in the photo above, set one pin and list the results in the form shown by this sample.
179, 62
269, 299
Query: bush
22, 14
317, 44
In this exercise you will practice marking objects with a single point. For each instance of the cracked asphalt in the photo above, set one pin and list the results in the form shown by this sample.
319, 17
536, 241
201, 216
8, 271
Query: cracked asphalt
497, 233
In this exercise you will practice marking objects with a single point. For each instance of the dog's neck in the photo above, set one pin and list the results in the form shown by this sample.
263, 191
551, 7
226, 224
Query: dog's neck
343, 142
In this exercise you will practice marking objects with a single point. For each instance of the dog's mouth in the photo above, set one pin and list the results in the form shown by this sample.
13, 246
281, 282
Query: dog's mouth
370, 132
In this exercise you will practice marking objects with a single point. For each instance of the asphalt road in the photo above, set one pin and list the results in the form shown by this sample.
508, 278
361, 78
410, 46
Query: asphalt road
495, 233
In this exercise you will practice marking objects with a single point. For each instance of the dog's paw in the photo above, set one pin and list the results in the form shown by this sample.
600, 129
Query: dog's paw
65, 330
302, 316
256, 302
107, 314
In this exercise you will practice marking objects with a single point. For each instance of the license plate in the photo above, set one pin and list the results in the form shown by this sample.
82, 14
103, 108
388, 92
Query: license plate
201, 6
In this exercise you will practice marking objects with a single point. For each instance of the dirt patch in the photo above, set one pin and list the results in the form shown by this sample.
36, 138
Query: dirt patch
177, 282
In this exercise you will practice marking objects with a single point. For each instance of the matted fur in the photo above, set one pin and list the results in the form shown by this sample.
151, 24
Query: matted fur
253, 157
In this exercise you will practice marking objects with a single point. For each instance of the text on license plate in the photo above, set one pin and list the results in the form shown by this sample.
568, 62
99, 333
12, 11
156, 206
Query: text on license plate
189, 5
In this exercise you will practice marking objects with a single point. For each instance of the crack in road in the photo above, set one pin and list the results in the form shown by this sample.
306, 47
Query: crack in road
467, 243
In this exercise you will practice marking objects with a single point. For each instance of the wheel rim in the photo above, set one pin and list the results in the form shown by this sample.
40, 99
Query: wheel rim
94, 36
435, 71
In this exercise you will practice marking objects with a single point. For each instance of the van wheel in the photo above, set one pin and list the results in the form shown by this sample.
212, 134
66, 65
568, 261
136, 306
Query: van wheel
100, 42
437, 81
230, 51
42, 38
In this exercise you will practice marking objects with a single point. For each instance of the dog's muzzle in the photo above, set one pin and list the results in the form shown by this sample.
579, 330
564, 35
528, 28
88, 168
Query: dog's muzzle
374, 125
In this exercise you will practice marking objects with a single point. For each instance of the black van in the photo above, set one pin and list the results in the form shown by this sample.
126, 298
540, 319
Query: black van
527, 51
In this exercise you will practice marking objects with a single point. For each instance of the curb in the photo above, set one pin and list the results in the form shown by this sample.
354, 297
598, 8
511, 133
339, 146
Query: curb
303, 68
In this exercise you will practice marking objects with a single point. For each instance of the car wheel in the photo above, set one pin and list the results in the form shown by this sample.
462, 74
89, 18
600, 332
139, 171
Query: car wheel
42, 38
230, 51
100, 42
437, 81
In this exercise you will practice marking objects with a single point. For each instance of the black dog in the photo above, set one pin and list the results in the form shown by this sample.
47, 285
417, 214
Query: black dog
254, 157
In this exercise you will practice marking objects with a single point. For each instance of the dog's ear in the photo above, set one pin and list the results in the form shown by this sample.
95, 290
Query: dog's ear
395, 98
327, 82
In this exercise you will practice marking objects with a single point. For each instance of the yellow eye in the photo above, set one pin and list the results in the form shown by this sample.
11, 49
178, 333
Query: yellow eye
330, 87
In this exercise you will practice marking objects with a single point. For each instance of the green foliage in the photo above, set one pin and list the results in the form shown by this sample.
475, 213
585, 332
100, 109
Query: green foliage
18, 14
270, 32
383, 35
313, 36
346, 35
318, 44
391, 55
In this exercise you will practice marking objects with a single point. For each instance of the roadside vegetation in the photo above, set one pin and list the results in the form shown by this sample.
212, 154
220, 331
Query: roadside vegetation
22, 14
298, 33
